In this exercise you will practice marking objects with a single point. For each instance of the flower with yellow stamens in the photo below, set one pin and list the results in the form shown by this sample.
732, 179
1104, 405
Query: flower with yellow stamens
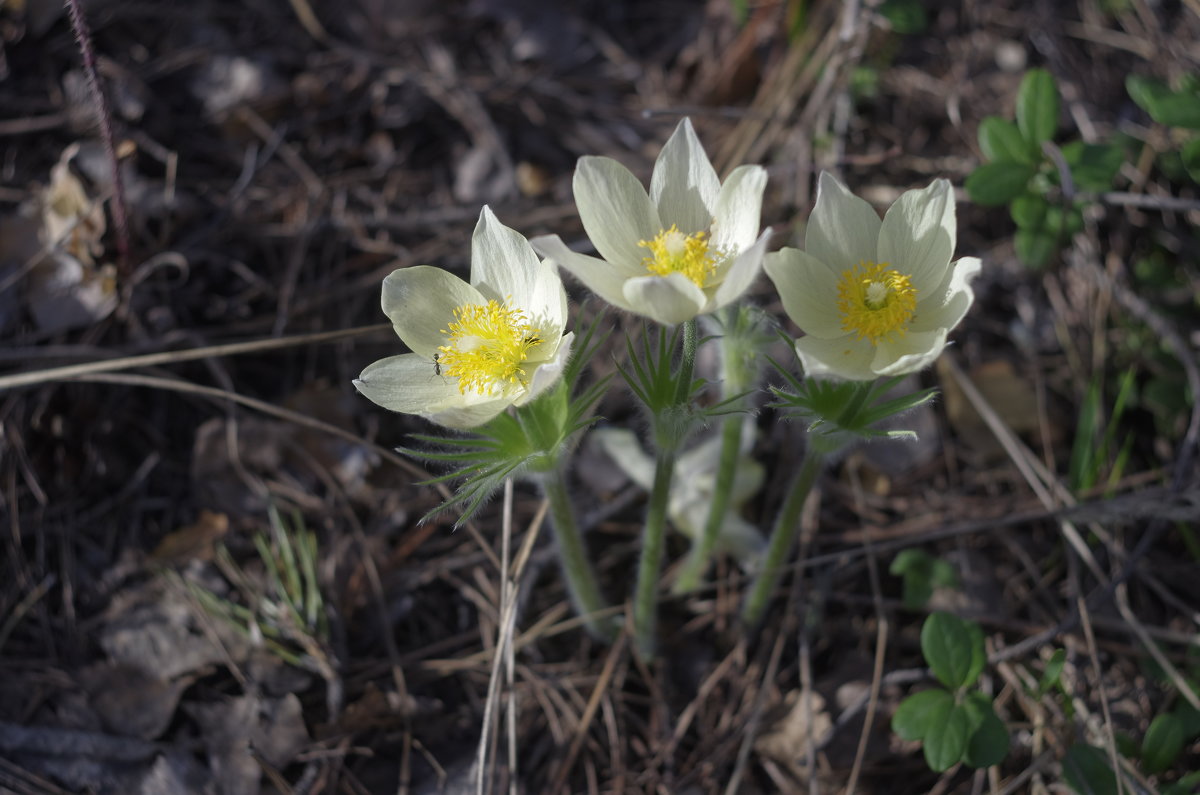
688, 247
476, 348
874, 298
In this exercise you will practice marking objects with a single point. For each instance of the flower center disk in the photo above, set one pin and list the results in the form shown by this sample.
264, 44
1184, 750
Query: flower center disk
671, 251
876, 301
487, 347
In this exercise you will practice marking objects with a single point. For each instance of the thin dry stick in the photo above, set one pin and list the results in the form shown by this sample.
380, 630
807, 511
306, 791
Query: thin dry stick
881, 639
507, 619
1109, 738
589, 712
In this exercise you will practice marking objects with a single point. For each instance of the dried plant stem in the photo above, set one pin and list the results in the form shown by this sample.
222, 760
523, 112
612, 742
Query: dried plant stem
83, 36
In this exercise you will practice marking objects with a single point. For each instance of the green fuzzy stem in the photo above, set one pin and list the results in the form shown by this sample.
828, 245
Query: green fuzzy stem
687, 362
581, 579
645, 600
783, 538
702, 551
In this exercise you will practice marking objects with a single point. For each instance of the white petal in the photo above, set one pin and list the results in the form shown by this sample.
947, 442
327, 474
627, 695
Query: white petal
605, 279
623, 448
669, 299
684, 186
914, 351
739, 209
958, 297
469, 416
843, 230
546, 374
846, 358
420, 301
740, 274
505, 267
917, 235
615, 210
407, 383
808, 289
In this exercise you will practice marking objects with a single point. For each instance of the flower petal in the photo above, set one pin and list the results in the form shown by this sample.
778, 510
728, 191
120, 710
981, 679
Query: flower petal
740, 273
505, 267
547, 373
958, 297
623, 448
470, 416
408, 383
615, 210
918, 234
846, 358
605, 279
684, 186
669, 299
420, 301
843, 230
914, 351
739, 209
808, 289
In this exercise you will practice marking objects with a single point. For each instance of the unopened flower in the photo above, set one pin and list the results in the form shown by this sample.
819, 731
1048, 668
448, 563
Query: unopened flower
476, 348
687, 248
874, 298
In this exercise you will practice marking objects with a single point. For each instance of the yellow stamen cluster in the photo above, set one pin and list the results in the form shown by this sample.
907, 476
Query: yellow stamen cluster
671, 251
876, 301
487, 347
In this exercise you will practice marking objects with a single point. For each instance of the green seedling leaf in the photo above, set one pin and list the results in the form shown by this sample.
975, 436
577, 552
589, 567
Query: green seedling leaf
1086, 770
1179, 109
1146, 91
1000, 141
1184, 786
1028, 211
1052, 672
1162, 743
906, 16
1190, 155
953, 648
988, 743
1035, 247
1093, 166
947, 736
915, 714
993, 184
1037, 107
943, 574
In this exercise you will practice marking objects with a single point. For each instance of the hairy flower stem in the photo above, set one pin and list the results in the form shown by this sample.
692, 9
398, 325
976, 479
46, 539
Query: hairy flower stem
645, 600
687, 362
577, 568
697, 562
783, 538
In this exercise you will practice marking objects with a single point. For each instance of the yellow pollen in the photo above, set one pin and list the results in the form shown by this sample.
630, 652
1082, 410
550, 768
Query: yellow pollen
671, 251
876, 301
487, 347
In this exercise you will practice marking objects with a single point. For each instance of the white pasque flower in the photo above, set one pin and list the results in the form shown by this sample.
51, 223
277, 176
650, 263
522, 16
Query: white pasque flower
476, 348
687, 248
874, 298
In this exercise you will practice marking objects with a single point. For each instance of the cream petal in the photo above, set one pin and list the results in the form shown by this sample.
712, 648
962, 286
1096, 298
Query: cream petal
462, 417
408, 383
420, 301
740, 273
914, 351
843, 230
846, 358
615, 210
918, 234
622, 446
669, 299
605, 279
808, 289
739, 209
547, 373
504, 267
684, 186
957, 298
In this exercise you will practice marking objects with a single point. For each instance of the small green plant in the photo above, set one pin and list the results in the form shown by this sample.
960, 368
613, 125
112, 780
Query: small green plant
921, 574
1097, 449
955, 723
1179, 108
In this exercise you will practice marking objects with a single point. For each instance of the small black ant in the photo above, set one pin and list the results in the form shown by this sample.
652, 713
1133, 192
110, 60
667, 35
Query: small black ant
437, 366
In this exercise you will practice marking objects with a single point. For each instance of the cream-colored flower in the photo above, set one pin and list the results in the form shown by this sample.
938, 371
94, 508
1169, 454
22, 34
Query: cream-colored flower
874, 298
476, 348
687, 248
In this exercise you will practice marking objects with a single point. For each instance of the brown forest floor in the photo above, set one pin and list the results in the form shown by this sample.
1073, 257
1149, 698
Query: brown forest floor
279, 159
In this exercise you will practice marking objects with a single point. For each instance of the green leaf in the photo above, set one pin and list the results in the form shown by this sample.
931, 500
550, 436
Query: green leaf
946, 738
953, 648
913, 717
1028, 211
1184, 786
1086, 770
943, 574
1178, 109
1052, 671
1146, 92
1162, 743
1000, 140
1035, 247
906, 16
1190, 154
988, 743
998, 183
909, 560
1037, 107
1093, 166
